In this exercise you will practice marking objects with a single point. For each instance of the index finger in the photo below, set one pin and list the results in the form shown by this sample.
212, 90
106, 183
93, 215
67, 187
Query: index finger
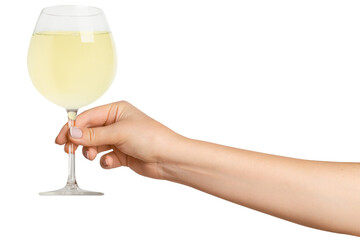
102, 115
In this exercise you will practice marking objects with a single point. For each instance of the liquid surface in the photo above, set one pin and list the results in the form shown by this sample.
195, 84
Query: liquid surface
72, 69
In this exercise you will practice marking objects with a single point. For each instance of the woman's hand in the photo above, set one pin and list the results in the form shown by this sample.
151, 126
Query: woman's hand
319, 194
136, 140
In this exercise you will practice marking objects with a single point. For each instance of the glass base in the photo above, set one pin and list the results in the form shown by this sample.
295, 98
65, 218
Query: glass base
71, 189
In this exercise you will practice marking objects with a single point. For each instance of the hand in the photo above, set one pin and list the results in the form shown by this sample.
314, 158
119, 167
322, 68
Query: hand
312, 193
136, 140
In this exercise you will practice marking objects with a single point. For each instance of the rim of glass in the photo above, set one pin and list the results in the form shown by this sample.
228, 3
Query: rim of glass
51, 10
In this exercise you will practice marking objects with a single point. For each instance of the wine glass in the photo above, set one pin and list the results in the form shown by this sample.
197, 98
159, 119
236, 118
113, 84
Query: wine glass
72, 62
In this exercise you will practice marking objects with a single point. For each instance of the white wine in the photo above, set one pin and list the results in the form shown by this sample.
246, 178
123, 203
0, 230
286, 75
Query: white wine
72, 69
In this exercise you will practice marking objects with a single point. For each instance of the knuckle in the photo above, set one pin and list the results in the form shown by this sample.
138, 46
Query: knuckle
126, 160
123, 102
123, 105
91, 135
122, 158
121, 109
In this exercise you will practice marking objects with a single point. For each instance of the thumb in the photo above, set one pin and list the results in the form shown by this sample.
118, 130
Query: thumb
94, 136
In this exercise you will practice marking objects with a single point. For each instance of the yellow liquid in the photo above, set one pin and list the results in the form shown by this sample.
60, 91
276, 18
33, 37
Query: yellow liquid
72, 69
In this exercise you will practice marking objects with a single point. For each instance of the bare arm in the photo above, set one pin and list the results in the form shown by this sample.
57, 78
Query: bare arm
323, 195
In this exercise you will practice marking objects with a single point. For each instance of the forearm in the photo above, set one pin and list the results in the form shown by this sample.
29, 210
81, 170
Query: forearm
324, 195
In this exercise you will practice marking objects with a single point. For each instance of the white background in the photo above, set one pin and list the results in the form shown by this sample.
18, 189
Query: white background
272, 76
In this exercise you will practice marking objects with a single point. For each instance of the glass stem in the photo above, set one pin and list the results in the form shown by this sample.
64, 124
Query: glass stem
71, 165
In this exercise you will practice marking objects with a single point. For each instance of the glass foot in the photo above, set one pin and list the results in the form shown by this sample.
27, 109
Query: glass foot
71, 189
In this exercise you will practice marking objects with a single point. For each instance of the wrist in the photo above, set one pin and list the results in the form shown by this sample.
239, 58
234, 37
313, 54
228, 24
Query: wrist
173, 157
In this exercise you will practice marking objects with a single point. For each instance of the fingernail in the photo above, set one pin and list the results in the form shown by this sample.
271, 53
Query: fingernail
87, 154
107, 162
75, 132
103, 163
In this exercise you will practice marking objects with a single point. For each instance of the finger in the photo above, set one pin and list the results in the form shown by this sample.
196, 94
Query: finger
91, 152
108, 135
102, 115
98, 116
67, 147
61, 137
113, 160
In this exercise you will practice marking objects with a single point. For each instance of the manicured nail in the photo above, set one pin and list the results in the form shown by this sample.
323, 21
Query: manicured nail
75, 132
103, 163
107, 162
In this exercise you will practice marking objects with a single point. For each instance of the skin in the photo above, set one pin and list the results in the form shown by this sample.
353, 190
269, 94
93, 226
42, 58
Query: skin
318, 194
